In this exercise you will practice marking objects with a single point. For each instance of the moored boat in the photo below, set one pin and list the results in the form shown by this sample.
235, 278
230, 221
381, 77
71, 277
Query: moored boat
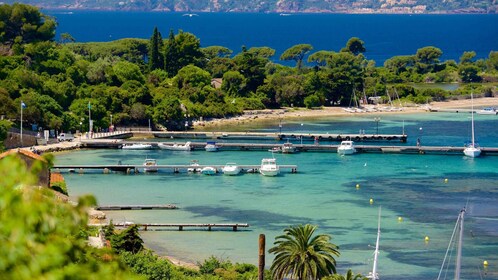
472, 149
209, 170
150, 165
269, 167
288, 148
175, 147
136, 146
231, 169
194, 166
211, 147
487, 111
346, 148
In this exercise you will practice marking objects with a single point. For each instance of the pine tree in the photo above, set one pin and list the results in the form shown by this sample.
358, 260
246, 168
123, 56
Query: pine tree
155, 45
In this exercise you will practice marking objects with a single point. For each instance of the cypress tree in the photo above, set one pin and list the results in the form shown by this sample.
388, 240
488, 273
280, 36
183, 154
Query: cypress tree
155, 57
171, 53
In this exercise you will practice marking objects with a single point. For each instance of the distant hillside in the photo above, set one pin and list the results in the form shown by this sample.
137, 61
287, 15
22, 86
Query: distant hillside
275, 6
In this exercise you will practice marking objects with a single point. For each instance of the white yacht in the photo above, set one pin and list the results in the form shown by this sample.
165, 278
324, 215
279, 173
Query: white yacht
175, 147
288, 148
209, 170
211, 147
231, 169
150, 165
346, 148
194, 166
472, 149
136, 146
269, 167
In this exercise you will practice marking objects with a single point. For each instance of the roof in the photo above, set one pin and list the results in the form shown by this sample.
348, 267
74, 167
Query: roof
22, 152
56, 178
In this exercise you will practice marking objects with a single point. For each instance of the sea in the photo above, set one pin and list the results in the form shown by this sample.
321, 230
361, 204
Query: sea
420, 196
385, 36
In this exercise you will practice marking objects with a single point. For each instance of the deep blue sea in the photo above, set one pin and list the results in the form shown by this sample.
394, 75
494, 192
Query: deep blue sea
385, 36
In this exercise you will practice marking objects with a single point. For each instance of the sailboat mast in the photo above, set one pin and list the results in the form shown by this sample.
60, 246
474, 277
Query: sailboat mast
472, 98
459, 250
376, 253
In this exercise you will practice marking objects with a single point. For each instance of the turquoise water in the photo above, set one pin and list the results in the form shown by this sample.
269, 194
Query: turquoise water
323, 192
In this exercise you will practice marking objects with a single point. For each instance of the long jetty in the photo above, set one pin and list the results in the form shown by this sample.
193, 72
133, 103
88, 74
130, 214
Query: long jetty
220, 135
175, 168
239, 146
180, 227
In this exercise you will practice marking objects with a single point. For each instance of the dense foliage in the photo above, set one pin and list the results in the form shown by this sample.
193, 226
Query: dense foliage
45, 240
169, 81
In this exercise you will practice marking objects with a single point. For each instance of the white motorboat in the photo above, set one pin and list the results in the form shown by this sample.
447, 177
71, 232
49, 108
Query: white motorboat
211, 147
472, 149
150, 165
231, 169
488, 111
194, 167
209, 170
346, 148
175, 147
269, 167
288, 148
136, 146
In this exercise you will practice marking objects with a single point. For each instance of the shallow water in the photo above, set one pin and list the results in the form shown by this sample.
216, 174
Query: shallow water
323, 192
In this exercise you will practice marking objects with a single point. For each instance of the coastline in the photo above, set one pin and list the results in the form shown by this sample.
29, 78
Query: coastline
303, 113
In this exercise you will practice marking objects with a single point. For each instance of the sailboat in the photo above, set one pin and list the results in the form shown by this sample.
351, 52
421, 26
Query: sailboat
472, 150
458, 263
373, 274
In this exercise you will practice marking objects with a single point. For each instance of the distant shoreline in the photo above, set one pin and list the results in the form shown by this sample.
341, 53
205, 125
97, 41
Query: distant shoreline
303, 113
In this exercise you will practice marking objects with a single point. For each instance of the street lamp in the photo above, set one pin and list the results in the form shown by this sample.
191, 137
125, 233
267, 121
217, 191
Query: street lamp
280, 126
81, 129
377, 120
187, 116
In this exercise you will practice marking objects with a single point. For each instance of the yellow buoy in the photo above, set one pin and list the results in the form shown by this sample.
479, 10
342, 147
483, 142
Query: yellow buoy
357, 186
400, 219
446, 180
485, 263
371, 201
426, 239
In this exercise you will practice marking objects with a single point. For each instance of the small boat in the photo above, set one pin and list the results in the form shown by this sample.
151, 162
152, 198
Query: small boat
275, 150
231, 169
211, 147
150, 165
209, 170
269, 167
488, 111
194, 167
288, 148
136, 146
472, 149
175, 147
346, 148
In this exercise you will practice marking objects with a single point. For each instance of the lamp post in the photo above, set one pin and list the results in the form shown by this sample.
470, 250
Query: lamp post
280, 126
187, 116
377, 120
81, 129
302, 134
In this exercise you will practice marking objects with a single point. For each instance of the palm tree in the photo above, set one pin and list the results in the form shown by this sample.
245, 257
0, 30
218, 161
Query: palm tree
299, 255
348, 276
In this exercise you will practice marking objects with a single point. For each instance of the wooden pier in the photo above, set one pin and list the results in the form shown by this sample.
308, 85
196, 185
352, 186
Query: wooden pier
136, 207
318, 147
175, 168
180, 227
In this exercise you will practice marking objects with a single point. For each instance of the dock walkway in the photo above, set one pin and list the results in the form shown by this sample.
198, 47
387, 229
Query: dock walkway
180, 227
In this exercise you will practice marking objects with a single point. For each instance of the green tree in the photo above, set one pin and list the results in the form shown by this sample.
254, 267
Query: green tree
192, 76
5, 125
467, 57
264, 52
21, 24
128, 240
127, 71
171, 55
233, 82
44, 241
355, 46
320, 57
469, 74
300, 255
156, 59
216, 51
252, 67
297, 53
348, 276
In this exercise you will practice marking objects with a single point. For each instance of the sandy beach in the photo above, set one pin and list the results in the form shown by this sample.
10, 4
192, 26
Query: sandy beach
303, 113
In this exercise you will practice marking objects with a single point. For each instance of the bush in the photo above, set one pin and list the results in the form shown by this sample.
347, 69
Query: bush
147, 264
59, 187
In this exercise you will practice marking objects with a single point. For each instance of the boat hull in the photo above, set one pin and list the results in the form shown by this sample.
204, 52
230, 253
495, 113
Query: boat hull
208, 170
269, 172
231, 170
472, 152
346, 151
